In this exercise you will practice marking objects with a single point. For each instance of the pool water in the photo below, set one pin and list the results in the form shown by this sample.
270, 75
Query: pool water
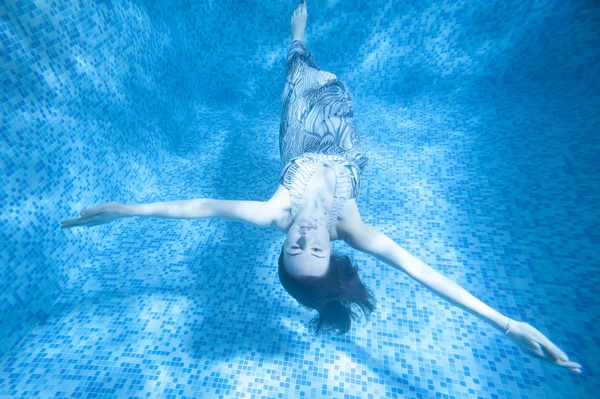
481, 124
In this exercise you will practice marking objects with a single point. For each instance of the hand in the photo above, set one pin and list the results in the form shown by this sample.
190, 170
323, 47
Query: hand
100, 214
536, 344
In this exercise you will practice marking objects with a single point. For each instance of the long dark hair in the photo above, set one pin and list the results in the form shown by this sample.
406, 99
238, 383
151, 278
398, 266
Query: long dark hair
333, 295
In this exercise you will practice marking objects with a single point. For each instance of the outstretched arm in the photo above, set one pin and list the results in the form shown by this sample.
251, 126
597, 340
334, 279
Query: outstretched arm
253, 212
366, 239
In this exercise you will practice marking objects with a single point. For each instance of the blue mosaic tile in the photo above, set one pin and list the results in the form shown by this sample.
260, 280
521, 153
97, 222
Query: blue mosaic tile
481, 122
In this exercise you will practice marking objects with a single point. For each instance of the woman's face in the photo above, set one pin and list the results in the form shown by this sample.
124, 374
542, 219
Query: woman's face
307, 249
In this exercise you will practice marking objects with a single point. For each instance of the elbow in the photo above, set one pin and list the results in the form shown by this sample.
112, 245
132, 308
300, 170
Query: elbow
402, 260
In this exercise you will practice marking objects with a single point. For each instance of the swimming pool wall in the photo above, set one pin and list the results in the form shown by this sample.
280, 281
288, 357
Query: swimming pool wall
100, 98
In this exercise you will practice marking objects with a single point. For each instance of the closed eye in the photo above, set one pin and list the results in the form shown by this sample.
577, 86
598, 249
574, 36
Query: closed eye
314, 249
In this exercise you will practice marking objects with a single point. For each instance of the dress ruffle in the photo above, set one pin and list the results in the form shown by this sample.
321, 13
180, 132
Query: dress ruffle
298, 171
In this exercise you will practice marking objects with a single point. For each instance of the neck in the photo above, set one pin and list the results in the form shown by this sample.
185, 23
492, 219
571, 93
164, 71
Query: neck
316, 210
318, 197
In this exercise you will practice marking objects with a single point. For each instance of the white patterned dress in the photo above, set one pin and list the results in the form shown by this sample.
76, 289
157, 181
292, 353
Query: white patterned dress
317, 128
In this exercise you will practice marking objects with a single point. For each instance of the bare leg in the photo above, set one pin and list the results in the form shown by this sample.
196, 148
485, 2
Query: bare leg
298, 22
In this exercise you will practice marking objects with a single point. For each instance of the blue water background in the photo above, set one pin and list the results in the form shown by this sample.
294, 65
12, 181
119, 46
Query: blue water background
481, 121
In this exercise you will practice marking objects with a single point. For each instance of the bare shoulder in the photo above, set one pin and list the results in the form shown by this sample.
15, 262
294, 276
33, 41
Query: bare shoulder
279, 206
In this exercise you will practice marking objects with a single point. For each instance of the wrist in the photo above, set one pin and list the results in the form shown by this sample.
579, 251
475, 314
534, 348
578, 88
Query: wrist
505, 325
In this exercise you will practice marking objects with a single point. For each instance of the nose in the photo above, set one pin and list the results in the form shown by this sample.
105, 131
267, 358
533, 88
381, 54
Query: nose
303, 240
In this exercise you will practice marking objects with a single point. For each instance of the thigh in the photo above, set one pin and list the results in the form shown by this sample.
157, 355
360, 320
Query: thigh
316, 113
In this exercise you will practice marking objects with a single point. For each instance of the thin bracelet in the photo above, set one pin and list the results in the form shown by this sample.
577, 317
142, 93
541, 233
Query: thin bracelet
507, 328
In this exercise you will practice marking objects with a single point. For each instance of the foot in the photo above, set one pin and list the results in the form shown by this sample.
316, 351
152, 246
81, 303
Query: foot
298, 22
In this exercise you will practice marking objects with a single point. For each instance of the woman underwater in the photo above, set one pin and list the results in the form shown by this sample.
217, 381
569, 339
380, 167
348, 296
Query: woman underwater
315, 204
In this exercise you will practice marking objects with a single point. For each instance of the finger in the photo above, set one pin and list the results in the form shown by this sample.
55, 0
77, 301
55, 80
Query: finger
573, 366
70, 226
65, 224
537, 349
576, 370
96, 223
552, 350
82, 221
77, 222
531, 351
569, 364
552, 355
